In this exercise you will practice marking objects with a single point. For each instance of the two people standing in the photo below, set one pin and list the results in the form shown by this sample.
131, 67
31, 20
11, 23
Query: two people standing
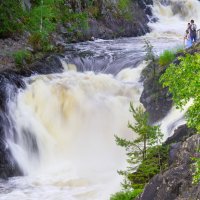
191, 34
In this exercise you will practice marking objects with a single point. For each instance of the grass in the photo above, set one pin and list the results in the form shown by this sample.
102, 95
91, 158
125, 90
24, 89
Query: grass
166, 57
22, 57
126, 195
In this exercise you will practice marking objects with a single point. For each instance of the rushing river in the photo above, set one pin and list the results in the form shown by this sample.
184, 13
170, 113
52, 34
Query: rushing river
65, 123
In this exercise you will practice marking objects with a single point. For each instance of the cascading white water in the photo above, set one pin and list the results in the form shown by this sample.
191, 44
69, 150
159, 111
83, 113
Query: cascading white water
173, 18
65, 123
73, 118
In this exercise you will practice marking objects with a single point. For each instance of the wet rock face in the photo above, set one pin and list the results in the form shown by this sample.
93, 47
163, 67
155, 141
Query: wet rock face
180, 134
176, 182
47, 65
113, 21
10, 82
156, 99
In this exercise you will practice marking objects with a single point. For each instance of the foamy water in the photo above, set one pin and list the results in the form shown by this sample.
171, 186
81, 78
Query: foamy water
73, 118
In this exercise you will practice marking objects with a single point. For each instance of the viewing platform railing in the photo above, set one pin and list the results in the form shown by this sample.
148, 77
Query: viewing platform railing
198, 34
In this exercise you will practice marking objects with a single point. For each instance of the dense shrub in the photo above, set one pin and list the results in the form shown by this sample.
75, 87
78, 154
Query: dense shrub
11, 17
126, 195
183, 81
40, 42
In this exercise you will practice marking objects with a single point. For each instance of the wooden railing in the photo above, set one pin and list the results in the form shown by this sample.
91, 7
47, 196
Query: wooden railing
198, 34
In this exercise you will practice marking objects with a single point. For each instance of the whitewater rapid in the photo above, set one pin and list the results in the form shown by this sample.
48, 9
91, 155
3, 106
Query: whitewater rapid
72, 117
65, 123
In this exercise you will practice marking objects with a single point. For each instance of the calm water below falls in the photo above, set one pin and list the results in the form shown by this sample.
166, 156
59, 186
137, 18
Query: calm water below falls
65, 123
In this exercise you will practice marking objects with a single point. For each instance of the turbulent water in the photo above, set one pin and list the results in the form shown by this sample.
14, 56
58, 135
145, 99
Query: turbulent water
65, 123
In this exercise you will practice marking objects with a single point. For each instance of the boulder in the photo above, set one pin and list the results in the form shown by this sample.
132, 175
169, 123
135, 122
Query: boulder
176, 182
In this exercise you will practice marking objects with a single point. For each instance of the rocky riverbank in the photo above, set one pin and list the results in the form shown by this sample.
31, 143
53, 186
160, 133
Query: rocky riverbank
156, 99
105, 19
175, 183
8, 47
110, 19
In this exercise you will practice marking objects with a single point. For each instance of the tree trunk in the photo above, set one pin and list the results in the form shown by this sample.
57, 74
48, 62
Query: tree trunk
145, 147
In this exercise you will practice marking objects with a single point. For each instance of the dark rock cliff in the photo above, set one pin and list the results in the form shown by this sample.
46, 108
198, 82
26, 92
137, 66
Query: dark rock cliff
155, 98
176, 182
113, 20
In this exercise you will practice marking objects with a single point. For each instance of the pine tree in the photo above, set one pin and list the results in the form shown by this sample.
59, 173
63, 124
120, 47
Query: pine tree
139, 149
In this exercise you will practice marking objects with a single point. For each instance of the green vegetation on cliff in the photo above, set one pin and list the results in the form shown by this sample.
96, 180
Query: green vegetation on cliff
40, 21
166, 57
11, 18
146, 150
183, 81
44, 15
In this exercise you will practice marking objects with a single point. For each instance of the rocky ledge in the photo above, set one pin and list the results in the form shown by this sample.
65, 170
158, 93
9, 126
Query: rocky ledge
156, 99
176, 182
113, 20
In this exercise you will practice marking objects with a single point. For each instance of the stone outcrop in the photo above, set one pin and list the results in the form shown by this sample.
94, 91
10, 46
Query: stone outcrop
176, 182
156, 99
112, 20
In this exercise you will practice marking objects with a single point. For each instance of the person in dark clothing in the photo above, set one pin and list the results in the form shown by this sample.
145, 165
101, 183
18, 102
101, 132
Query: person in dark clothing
193, 31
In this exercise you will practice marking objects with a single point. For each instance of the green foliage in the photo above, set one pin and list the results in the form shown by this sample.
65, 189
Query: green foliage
196, 174
75, 20
155, 162
40, 42
22, 57
94, 11
126, 195
40, 21
166, 57
183, 81
137, 150
179, 49
11, 17
152, 70
123, 4
124, 9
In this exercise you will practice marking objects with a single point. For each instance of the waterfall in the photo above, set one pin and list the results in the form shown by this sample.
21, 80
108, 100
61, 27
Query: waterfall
65, 126
173, 16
